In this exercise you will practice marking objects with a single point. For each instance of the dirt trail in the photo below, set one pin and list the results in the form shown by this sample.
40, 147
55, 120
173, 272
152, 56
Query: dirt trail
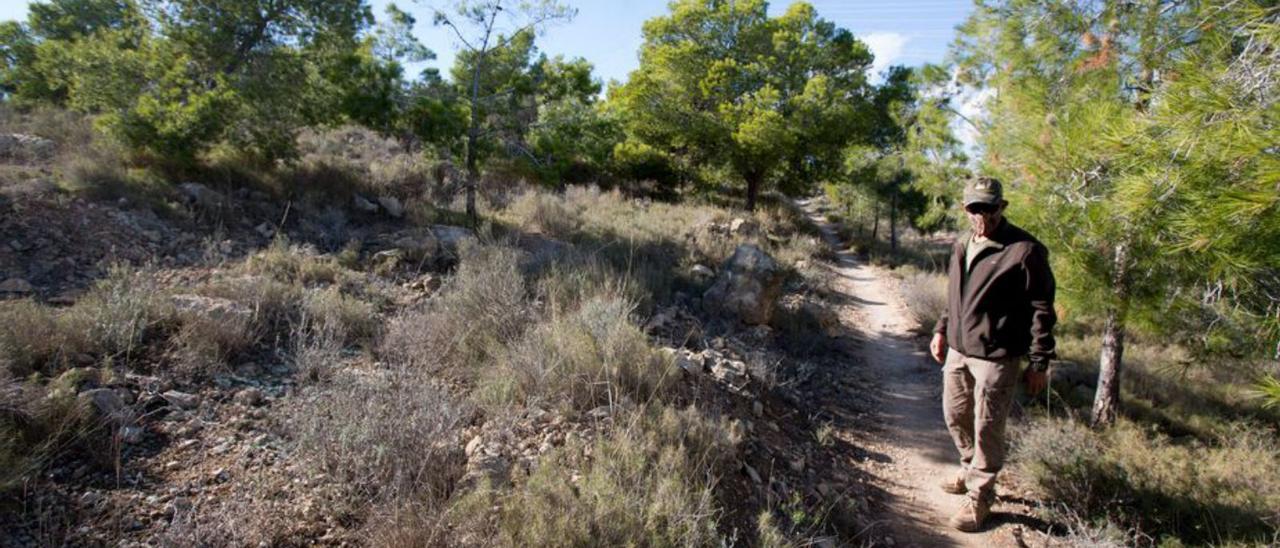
914, 451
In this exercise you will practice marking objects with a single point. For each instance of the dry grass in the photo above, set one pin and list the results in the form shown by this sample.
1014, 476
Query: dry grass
1149, 484
36, 425
290, 263
383, 434
594, 356
111, 322
343, 318
925, 294
479, 310
648, 483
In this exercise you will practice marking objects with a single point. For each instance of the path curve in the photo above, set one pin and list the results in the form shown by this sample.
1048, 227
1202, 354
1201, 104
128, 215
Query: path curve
917, 450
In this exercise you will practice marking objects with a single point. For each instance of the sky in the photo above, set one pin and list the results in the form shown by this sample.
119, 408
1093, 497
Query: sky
607, 32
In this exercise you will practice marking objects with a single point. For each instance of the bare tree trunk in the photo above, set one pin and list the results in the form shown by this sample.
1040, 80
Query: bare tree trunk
1106, 401
875, 222
753, 188
473, 175
893, 223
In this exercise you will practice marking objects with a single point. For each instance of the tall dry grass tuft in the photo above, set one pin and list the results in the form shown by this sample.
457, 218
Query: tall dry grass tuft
111, 321
591, 357
925, 294
383, 434
648, 483
290, 263
478, 311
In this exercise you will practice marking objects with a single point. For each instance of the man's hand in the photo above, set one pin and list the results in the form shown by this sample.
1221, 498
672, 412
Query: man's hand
938, 347
1036, 381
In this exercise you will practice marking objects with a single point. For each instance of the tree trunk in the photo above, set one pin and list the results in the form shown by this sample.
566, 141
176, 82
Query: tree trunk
1106, 401
473, 175
875, 222
753, 188
893, 223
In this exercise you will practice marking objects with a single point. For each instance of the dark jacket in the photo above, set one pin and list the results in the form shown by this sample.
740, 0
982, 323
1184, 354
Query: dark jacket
1002, 307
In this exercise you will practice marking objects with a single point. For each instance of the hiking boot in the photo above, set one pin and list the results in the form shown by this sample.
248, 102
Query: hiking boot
954, 485
971, 515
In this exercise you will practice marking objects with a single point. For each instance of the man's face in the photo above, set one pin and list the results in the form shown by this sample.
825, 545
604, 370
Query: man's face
985, 217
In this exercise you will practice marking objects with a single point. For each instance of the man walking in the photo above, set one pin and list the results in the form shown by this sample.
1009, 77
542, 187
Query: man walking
999, 309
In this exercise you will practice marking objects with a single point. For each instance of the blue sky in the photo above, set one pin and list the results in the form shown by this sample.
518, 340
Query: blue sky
607, 32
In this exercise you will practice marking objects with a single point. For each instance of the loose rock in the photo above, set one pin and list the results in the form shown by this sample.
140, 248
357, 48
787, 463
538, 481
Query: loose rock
747, 287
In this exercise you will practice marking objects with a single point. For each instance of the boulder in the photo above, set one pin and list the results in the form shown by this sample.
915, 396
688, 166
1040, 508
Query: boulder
363, 205
20, 146
392, 206
747, 287
201, 196
17, 286
108, 406
181, 400
701, 272
743, 227
216, 309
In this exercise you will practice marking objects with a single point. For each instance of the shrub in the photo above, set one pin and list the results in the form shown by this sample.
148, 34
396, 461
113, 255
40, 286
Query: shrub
120, 309
478, 310
35, 427
343, 318
384, 434
288, 263
275, 304
30, 338
207, 341
548, 214
594, 356
1150, 484
646, 484
925, 294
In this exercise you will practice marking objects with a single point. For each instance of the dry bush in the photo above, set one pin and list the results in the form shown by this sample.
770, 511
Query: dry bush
925, 294
1227, 492
546, 214
566, 281
30, 338
384, 434
594, 356
290, 263
206, 342
275, 304
120, 309
37, 425
345, 319
649, 483
339, 162
481, 308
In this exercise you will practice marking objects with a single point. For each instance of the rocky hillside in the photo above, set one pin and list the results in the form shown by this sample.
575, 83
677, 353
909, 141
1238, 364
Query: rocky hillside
225, 363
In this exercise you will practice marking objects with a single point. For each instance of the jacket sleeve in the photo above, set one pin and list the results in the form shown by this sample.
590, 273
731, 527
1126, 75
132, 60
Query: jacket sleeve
1040, 292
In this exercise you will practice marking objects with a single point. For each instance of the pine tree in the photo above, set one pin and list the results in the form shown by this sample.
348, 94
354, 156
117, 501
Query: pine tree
1138, 138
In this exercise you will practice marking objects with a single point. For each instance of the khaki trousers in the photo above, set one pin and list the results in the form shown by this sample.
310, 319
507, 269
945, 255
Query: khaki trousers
976, 397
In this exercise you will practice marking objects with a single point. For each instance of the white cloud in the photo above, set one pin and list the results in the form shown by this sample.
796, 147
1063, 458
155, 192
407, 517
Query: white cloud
972, 105
887, 47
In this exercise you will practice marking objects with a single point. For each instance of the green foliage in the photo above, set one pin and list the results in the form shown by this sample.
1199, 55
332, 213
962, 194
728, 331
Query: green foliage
1153, 486
1136, 125
722, 84
1268, 390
